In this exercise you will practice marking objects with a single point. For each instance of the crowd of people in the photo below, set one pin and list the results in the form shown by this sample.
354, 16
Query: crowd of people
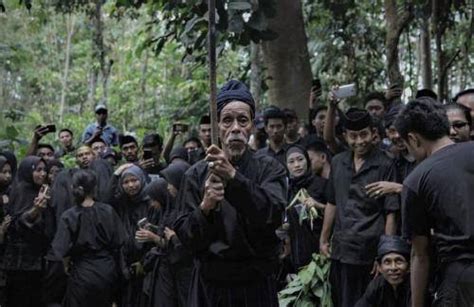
384, 192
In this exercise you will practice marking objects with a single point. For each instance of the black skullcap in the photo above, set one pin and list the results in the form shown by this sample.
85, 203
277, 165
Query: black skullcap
426, 93
179, 152
357, 119
125, 139
391, 115
234, 91
205, 120
393, 244
152, 139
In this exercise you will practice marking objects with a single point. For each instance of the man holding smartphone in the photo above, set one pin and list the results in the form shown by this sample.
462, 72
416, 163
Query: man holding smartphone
101, 129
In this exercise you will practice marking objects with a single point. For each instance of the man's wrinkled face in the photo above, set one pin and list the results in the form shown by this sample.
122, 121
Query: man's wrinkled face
84, 157
292, 127
5, 175
318, 121
235, 127
375, 108
65, 138
131, 185
318, 159
394, 137
45, 153
98, 148
459, 127
360, 141
394, 268
275, 129
130, 152
205, 134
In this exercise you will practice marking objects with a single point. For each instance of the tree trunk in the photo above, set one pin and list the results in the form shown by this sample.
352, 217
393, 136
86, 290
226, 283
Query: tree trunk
255, 71
425, 55
396, 23
143, 85
287, 59
70, 33
98, 49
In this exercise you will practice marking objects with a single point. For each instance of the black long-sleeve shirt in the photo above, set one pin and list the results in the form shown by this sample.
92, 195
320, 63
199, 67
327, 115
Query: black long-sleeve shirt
236, 241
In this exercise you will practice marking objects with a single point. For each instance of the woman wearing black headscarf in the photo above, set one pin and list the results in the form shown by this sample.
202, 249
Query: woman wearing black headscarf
26, 241
129, 200
91, 234
6, 176
304, 237
53, 167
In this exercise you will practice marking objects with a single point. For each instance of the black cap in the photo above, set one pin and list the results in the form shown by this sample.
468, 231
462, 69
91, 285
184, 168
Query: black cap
152, 139
205, 120
357, 119
426, 93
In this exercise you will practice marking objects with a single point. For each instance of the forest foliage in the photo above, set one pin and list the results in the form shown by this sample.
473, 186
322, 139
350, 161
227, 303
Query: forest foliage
147, 59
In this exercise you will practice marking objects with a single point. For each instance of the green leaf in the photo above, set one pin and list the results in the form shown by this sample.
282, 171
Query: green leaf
306, 274
285, 302
292, 290
318, 291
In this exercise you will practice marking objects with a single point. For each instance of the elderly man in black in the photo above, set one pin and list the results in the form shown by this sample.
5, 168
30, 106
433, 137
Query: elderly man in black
234, 201
358, 219
437, 205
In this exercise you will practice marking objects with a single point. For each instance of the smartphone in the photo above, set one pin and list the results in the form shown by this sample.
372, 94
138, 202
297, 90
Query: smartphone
347, 90
142, 223
51, 128
147, 154
316, 84
180, 128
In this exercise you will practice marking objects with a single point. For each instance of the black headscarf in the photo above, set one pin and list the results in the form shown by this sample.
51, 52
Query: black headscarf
158, 190
303, 181
174, 173
3, 161
232, 91
24, 189
12, 160
50, 164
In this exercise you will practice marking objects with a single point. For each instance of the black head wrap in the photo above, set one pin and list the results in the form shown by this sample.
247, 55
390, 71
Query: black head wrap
158, 190
391, 115
357, 119
12, 160
174, 173
234, 91
27, 167
179, 152
393, 244
3, 161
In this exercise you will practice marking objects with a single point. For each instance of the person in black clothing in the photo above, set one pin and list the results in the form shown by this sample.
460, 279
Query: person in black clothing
26, 239
205, 131
90, 235
292, 126
129, 200
53, 168
173, 174
153, 144
375, 104
392, 287
6, 176
233, 203
66, 139
437, 205
129, 148
460, 122
358, 220
304, 237
275, 126
320, 158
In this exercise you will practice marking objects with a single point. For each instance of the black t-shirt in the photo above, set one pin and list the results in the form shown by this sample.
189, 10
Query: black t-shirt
360, 220
280, 155
439, 195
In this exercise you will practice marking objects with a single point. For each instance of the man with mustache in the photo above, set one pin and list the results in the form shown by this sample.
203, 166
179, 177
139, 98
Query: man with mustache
358, 219
233, 203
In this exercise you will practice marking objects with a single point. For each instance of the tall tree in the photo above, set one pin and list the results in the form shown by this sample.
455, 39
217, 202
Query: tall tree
287, 58
397, 19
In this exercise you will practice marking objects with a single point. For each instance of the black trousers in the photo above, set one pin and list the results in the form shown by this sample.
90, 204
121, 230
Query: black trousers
348, 282
262, 293
24, 289
457, 285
